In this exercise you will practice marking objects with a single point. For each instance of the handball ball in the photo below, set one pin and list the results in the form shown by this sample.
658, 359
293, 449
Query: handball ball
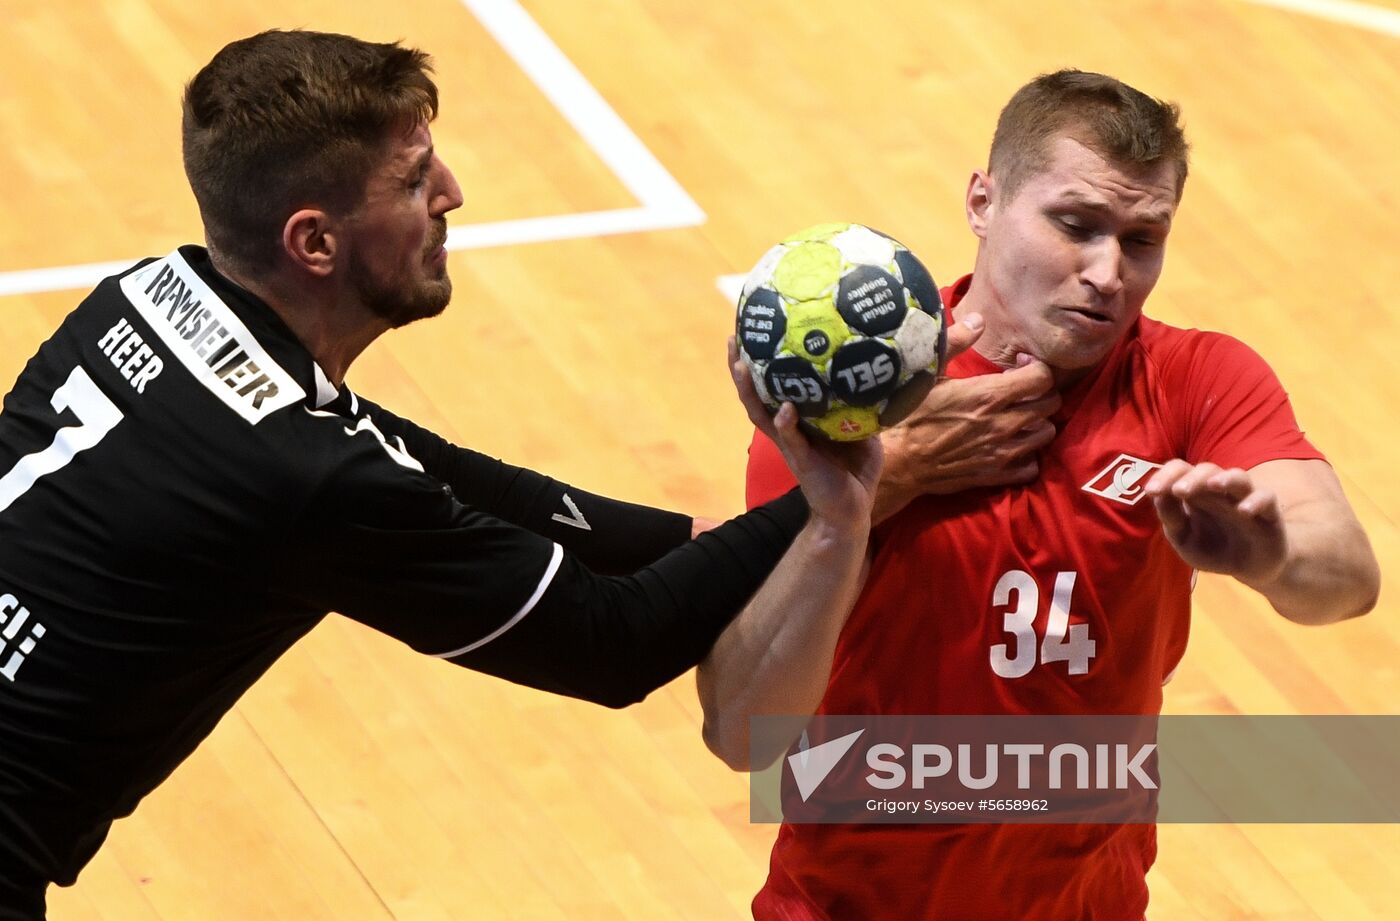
844, 323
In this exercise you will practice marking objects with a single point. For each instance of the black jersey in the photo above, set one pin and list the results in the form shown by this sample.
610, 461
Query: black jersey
183, 495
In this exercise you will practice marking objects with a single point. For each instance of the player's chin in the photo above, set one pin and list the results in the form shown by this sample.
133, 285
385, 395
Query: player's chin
437, 297
434, 284
431, 299
1077, 353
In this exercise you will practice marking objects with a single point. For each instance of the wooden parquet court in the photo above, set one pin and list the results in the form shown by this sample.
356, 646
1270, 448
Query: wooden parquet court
360, 781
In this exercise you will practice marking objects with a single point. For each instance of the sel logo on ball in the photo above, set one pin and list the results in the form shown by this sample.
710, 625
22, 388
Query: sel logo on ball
866, 372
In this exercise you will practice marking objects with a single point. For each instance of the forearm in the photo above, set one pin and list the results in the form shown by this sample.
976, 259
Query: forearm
776, 657
608, 535
1330, 573
614, 640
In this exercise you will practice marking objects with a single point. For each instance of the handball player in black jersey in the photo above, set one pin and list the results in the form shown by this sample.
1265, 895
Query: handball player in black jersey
187, 485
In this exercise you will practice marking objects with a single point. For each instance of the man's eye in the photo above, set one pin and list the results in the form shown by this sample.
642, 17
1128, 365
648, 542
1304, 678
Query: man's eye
1072, 227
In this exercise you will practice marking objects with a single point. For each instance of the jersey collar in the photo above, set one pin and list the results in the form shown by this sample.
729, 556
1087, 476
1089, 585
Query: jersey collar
267, 327
326, 392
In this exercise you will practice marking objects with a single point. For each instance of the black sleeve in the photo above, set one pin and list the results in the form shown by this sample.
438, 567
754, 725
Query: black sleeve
389, 547
613, 640
607, 535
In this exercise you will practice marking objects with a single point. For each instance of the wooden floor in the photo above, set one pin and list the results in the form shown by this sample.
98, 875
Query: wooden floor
359, 781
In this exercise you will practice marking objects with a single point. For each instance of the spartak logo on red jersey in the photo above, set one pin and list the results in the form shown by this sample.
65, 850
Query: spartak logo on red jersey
1124, 480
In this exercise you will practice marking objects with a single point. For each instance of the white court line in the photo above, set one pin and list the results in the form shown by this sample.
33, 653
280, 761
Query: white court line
588, 112
559, 227
1347, 12
664, 204
60, 278
731, 286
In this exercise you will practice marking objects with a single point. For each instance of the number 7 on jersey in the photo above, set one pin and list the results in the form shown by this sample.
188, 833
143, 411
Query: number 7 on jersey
97, 415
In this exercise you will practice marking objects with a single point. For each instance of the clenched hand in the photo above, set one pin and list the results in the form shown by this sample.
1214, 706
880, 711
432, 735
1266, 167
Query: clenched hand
970, 432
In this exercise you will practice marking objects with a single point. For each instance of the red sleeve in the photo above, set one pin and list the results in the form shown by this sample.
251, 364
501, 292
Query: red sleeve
1228, 406
768, 476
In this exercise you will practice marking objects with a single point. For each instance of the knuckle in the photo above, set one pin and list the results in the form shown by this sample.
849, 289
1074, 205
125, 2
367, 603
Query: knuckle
1040, 377
990, 398
1005, 427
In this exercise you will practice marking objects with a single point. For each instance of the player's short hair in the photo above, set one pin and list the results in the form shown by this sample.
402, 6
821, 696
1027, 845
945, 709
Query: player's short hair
289, 119
1121, 124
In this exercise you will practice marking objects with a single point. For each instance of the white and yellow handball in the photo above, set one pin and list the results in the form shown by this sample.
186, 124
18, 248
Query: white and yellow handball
846, 324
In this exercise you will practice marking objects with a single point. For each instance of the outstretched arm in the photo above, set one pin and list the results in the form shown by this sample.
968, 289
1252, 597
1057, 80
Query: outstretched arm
776, 656
1283, 527
607, 535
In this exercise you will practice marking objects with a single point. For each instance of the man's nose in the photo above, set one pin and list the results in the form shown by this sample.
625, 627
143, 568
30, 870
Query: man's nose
447, 194
1103, 270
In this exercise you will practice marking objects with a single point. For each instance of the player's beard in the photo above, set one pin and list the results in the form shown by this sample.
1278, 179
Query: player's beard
401, 301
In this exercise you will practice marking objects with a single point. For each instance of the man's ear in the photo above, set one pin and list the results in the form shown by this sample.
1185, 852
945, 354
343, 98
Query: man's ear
310, 240
981, 194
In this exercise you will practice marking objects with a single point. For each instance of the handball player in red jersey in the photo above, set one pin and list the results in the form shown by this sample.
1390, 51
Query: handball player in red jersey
1078, 450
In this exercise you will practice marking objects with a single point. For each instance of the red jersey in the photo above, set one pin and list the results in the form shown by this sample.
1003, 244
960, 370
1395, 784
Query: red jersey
1058, 597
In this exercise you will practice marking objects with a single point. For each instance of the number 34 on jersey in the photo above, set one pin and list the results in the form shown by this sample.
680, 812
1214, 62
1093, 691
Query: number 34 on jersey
1019, 595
